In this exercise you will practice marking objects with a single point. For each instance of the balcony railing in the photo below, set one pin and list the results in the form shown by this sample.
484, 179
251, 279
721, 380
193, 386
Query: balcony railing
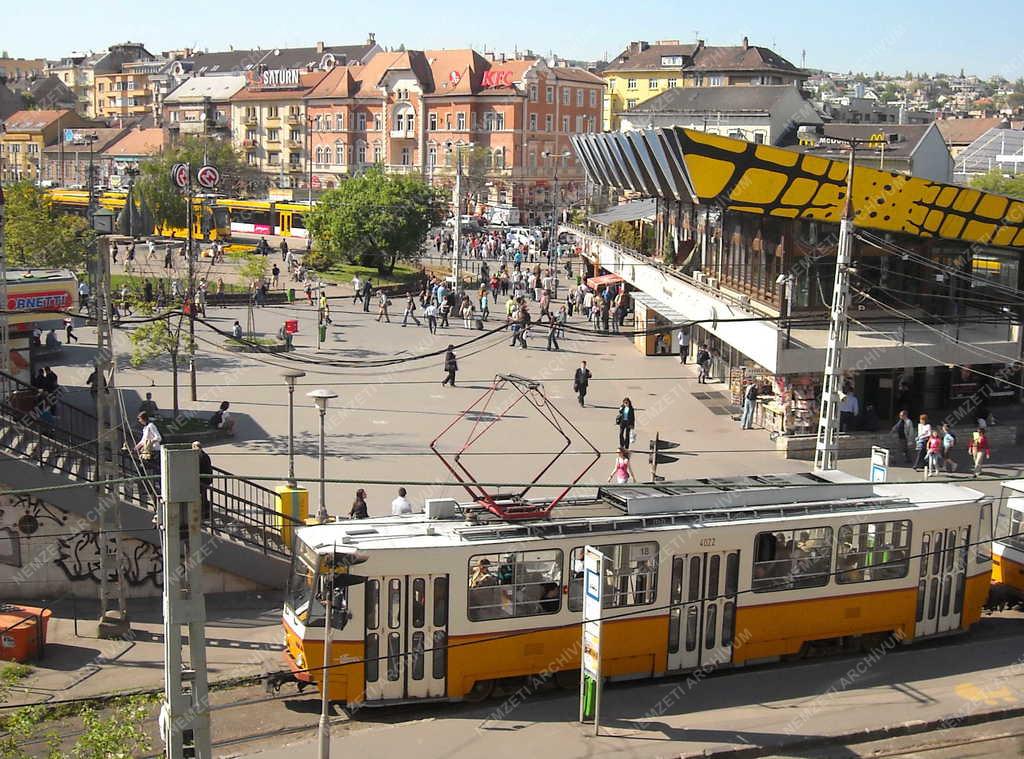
403, 134
296, 144
294, 118
251, 119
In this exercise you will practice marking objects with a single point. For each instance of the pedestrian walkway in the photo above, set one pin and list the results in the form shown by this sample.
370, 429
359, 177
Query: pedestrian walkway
243, 640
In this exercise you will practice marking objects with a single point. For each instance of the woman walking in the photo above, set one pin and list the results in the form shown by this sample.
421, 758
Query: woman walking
934, 446
979, 449
924, 431
626, 420
623, 471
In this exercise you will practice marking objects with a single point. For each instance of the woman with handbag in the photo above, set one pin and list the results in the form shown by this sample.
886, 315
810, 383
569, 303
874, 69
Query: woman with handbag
626, 421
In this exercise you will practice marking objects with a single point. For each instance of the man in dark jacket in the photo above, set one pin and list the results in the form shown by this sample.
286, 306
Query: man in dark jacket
367, 293
580, 381
450, 366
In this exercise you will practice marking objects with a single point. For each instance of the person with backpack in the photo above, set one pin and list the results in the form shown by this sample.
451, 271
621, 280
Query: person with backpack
749, 404
223, 420
948, 444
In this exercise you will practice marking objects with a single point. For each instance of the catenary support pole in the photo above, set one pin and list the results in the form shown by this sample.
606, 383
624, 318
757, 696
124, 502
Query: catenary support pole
185, 713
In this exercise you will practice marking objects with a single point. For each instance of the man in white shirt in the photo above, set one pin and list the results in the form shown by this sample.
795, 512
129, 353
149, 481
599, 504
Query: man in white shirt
357, 288
401, 505
148, 446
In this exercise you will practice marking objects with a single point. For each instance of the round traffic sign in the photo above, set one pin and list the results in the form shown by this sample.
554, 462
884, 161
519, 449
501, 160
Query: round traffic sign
208, 177
179, 174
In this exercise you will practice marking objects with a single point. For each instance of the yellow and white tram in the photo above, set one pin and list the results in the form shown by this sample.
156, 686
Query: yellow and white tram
700, 574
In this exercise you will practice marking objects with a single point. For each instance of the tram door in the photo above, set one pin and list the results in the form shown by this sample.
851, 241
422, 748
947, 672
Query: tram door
406, 637
284, 223
702, 618
941, 580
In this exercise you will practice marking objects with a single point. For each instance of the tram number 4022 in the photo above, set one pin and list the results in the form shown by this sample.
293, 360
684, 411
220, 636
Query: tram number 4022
706, 542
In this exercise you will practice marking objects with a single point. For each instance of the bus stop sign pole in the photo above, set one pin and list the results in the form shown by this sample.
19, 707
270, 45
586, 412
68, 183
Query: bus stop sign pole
590, 669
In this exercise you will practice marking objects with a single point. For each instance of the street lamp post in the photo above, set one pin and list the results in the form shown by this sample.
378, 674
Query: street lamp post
555, 157
290, 377
320, 398
457, 233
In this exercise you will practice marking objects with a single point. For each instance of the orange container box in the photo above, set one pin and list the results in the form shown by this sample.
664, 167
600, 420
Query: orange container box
22, 632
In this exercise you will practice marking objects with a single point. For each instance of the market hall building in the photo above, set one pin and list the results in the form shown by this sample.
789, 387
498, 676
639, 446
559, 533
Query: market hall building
746, 237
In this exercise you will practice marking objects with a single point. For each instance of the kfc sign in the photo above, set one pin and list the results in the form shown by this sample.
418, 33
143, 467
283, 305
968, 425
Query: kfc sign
497, 78
56, 300
454, 77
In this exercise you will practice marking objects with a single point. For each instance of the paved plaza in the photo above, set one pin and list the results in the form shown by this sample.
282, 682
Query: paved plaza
381, 424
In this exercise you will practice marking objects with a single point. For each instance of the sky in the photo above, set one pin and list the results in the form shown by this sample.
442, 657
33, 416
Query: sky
868, 35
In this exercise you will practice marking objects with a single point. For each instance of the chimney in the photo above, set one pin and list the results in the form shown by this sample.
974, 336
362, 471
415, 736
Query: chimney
320, 47
371, 39
638, 47
700, 46
746, 43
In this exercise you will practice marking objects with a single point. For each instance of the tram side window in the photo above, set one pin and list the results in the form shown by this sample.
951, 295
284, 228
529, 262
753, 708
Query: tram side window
631, 575
506, 585
985, 534
873, 551
1010, 522
790, 559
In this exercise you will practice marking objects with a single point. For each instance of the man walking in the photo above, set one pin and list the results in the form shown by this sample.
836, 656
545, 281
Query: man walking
580, 382
552, 333
684, 344
410, 311
749, 401
450, 366
703, 364
431, 313
367, 292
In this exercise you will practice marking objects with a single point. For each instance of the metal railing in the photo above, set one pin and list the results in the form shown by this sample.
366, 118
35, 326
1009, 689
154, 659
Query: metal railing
245, 510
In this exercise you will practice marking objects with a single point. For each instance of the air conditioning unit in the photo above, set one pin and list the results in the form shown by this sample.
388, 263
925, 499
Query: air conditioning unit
711, 282
698, 276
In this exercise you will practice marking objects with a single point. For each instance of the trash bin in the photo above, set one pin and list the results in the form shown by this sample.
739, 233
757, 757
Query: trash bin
323, 333
291, 294
479, 323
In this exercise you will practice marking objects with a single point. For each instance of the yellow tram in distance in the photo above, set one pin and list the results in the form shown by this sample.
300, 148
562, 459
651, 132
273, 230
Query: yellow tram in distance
266, 217
209, 221
706, 573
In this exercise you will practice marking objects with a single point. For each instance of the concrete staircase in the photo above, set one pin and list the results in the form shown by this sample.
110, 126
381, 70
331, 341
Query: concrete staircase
37, 450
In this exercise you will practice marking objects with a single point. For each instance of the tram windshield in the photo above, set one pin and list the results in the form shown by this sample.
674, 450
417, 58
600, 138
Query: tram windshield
1010, 519
302, 587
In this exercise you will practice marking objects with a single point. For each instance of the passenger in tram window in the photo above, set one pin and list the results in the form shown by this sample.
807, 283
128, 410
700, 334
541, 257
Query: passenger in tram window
484, 601
550, 598
506, 569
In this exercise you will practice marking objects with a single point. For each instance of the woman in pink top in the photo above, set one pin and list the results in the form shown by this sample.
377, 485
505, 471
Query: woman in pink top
934, 447
623, 472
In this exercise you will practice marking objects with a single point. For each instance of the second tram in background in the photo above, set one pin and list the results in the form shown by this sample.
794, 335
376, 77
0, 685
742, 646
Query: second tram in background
266, 217
209, 220
713, 573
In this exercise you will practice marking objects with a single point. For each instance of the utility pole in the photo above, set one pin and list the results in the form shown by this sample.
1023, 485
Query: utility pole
457, 235
190, 294
826, 449
5, 343
113, 621
185, 713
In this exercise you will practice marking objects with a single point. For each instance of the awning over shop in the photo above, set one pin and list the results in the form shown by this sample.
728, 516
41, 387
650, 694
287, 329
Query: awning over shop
631, 211
659, 307
603, 281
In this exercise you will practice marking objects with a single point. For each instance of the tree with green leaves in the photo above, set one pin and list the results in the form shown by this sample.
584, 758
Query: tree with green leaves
374, 219
156, 339
995, 181
163, 198
37, 237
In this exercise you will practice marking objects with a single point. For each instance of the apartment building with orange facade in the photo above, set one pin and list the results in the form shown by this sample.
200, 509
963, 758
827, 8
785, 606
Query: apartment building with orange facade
416, 111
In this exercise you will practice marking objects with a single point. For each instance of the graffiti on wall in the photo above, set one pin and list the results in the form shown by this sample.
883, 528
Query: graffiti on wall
30, 527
